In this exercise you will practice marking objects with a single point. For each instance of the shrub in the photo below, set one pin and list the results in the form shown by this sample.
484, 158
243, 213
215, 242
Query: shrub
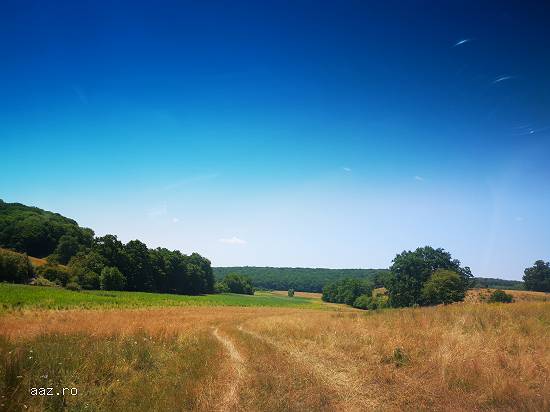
500, 296
15, 267
443, 286
377, 301
112, 279
40, 281
291, 293
55, 273
363, 302
73, 286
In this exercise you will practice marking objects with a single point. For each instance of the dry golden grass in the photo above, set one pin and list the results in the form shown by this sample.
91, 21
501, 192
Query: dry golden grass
35, 261
310, 295
481, 295
456, 357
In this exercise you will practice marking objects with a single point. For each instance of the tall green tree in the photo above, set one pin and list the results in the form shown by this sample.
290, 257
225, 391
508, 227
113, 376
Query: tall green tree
411, 270
537, 277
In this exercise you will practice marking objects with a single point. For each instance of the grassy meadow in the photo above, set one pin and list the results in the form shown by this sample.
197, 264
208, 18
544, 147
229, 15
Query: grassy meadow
18, 297
269, 353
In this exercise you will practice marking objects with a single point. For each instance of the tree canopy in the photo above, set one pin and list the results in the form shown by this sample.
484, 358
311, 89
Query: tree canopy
301, 279
346, 290
236, 283
40, 233
411, 270
537, 277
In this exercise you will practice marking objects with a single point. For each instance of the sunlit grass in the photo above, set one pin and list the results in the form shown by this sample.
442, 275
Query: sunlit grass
15, 297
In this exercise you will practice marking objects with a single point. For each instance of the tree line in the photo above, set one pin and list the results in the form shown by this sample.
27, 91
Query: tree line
426, 276
302, 279
78, 259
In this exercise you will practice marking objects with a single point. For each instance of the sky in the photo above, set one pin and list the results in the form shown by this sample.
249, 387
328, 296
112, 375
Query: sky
300, 133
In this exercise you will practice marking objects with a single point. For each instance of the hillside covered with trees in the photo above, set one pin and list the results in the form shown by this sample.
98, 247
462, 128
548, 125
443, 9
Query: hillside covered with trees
301, 279
77, 259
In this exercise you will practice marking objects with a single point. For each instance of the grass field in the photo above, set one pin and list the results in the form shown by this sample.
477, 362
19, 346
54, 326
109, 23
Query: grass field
208, 355
15, 297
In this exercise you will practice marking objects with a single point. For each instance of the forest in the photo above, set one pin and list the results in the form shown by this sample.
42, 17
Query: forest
302, 279
77, 259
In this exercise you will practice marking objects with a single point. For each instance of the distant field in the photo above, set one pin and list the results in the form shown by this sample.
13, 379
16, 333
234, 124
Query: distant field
36, 297
310, 295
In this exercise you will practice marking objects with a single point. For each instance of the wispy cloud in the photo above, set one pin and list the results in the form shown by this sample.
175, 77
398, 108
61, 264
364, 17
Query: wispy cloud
502, 78
175, 220
419, 178
461, 42
346, 169
232, 241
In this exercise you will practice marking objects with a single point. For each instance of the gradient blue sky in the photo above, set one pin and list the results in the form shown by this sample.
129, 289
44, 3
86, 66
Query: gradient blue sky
285, 133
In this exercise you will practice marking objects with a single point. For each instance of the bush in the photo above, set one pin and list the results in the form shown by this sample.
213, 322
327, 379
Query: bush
378, 301
500, 296
112, 279
55, 273
363, 302
40, 281
291, 293
15, 267
443, 286
73, 286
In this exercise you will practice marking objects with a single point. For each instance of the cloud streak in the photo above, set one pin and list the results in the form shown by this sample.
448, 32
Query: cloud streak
461, 42
502, 78
232, 241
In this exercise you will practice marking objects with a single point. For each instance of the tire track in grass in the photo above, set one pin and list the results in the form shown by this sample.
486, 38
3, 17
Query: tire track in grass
231, 398
352, 394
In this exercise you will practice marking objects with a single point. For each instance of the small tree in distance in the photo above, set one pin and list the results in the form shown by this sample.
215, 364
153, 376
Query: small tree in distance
291, 293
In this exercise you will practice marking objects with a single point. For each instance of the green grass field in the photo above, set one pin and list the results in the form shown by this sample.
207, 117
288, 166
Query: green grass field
16, 297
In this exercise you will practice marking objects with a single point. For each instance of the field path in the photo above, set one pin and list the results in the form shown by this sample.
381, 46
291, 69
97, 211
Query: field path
231, 397
346, 382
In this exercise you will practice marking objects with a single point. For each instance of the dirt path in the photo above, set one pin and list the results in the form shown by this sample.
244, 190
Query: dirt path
231, 398
353, 396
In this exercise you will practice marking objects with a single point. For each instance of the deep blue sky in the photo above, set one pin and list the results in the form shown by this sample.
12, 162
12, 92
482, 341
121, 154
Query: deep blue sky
286, 134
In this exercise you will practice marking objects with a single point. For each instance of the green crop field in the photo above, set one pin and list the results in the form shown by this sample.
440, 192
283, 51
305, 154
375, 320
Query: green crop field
15, 297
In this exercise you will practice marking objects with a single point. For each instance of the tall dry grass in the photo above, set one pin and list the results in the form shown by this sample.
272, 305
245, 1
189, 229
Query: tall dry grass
457, 357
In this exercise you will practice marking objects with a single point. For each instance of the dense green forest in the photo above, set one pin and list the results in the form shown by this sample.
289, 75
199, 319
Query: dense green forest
498, 283
314, 279
302, 279
40, 233
77, 259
